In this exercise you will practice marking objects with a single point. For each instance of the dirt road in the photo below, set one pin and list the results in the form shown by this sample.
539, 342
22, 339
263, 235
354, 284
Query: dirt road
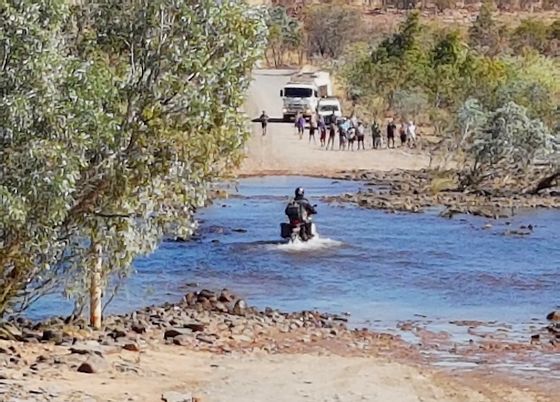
282, 152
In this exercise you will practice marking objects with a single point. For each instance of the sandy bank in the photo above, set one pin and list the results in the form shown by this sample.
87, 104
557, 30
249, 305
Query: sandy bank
254, 377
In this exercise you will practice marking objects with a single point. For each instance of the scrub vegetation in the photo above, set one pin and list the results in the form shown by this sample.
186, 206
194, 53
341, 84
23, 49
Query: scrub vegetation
114, 118
489, 91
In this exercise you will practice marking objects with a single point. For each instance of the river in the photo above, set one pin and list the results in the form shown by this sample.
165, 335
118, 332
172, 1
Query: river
381, 268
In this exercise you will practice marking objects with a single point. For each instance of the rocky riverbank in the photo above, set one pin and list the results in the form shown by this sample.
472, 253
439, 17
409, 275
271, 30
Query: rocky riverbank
216, 322
56, 360
415, 191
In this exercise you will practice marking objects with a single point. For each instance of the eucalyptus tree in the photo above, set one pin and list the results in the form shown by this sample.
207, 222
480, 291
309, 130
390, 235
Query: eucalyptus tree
115, 115
284, 34
499, 144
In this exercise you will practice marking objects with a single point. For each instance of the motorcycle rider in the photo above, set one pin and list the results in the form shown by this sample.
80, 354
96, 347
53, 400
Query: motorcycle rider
305, 209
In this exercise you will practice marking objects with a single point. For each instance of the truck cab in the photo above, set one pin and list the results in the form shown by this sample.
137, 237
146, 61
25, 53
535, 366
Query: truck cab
303, 92
298, 98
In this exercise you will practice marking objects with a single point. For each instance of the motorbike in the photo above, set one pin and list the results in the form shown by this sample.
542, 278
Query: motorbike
294, 232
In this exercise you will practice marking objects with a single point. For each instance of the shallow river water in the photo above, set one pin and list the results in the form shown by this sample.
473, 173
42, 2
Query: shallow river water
381, 268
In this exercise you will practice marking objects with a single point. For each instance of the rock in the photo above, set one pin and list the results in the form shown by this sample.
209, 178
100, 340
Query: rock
173, 396
242, 338
93, 365
553, 315
132, 347
86, 350
226, 296
50, 335
220, 307
138, 328
174, 332
118, 333
195, 327
183, 340
205, 339
240, 307
190, 298
206, 294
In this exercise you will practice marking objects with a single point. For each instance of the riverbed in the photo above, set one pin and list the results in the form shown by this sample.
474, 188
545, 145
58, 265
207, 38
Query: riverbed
382, 270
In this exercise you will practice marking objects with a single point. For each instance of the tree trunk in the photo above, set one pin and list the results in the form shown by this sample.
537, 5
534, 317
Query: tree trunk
95, 287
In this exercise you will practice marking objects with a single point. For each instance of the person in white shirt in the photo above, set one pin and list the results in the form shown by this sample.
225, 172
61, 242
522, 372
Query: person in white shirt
411, 134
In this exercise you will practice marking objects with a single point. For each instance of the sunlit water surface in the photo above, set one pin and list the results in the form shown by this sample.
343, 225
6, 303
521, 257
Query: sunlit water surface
380, 267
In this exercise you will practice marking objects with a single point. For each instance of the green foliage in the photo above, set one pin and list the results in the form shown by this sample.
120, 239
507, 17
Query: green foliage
530, 34
484, 34
330, 29
410, 104
502, 140
284, 34
398, 63
113, 124
402, 43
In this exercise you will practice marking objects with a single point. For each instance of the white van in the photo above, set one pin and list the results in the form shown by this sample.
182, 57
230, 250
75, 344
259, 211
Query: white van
329, 106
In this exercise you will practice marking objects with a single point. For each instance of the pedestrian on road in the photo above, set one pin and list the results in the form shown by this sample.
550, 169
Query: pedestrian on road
342, 129
361, 134
312, 127
322, 130
376, 136
264, 121
402, 134
411, 134
332, 134
391, 129
300, 124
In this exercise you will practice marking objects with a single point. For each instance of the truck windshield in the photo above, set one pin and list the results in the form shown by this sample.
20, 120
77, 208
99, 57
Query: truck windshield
298, 92
328, 108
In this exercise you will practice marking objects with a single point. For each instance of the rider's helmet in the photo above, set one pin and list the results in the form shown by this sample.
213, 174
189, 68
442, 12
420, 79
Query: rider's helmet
299, 192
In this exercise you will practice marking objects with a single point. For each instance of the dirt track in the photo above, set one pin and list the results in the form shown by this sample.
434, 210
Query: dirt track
282, 152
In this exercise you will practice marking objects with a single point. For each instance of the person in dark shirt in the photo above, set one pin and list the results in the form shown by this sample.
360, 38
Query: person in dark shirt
391, 129
264, 121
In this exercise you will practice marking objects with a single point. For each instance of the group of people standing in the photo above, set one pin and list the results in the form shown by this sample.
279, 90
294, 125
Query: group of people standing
406, 132
349, 130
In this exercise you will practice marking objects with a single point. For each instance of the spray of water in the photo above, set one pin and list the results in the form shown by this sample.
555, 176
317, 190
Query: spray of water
316, 243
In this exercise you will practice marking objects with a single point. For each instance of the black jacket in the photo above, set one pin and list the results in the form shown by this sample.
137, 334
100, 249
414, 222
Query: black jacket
304, 202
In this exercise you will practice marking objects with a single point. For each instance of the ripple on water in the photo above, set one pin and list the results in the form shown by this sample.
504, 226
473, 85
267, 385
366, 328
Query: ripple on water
380, 267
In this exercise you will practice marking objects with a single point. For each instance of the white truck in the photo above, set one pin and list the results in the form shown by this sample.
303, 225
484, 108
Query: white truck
303, 92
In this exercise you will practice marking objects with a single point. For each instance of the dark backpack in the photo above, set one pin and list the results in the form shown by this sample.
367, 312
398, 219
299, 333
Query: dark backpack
293, 210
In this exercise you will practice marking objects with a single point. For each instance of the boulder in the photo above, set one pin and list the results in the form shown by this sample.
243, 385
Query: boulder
240, 307
118, 333
206, 294
138, 328
553, 315
50, 335
190, 298
131, 347
183, 340
174, 332
226, 296
93, 365
205, 305
195, 327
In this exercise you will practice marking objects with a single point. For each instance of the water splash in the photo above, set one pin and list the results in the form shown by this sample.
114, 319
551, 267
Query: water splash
316, 243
